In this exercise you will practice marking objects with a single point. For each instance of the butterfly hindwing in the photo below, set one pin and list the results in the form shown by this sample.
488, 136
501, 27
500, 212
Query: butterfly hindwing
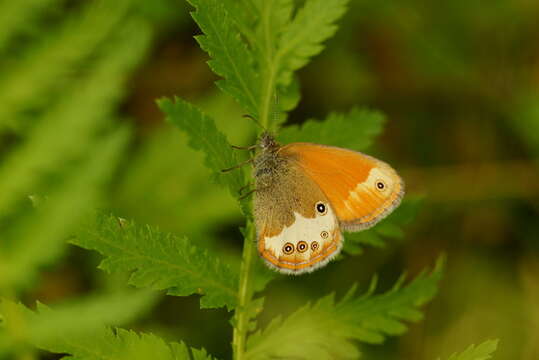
297, 228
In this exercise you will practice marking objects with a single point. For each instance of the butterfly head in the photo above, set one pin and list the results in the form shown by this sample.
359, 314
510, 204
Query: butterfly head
267, 142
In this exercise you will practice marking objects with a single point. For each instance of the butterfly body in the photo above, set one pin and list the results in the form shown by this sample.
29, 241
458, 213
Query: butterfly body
306, 194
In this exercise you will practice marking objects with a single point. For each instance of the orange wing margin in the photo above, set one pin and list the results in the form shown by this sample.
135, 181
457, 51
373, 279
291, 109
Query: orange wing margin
349, 180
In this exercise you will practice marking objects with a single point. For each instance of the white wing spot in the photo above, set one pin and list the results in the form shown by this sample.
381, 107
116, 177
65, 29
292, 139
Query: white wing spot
303, 229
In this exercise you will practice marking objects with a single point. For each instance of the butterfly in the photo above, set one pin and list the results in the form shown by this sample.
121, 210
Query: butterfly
306, 194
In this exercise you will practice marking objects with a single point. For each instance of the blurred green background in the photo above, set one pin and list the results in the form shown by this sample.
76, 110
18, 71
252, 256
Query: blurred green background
458, 81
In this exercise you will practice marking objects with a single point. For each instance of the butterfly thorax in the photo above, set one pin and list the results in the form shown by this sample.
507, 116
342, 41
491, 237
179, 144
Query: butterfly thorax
268, 167
268, 164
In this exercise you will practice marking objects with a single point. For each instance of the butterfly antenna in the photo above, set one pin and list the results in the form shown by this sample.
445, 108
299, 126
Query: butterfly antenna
247, 116
276, 111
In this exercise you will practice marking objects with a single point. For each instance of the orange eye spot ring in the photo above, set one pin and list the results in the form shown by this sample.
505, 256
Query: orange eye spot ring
302, 246
288, 249
314, 245
324, 234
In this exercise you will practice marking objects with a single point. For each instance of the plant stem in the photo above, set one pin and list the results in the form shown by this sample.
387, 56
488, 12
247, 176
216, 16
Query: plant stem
242, 315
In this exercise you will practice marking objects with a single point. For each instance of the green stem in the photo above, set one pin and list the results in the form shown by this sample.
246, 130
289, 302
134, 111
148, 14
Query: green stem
242, 316
245, 295
266, 101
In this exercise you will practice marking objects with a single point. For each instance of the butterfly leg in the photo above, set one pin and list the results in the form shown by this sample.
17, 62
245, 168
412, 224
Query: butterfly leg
239, 165
247, 194
240, 191
252, 147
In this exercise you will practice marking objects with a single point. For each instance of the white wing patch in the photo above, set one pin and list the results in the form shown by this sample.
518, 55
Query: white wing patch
378, 195
369, 185
311, 242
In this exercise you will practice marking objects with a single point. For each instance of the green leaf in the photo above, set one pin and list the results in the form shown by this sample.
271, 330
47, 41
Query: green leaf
120, 344
303, 37
15, 16
230, 57
273, 16
204, 136
244, 15
40, 236
160, 261
47, 67
77, 117
285, 46
77, 316
152, 177
480, 352
355, 130
326, 329
97, 343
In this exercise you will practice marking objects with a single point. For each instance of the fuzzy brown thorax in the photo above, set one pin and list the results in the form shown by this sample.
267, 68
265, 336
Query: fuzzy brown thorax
268, 164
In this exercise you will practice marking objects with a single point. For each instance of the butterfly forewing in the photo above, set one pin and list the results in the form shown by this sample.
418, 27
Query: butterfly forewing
362, 190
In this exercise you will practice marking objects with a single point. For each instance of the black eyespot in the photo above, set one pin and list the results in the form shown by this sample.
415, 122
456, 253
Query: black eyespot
324, 234
321, 208
380, 185
314, 246
302, 246
288, 248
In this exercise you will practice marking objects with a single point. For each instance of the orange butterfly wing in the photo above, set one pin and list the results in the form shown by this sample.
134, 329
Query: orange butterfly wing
361, 189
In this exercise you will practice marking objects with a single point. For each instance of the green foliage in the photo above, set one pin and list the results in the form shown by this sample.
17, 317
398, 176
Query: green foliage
303, 37
278, 46
67, 144
42, 72
389, 228
204, 136
480, 352
325, 329
230, 57
94, 342
14, 17
37, 237
153, 178
160, 261
74, 317
355, 130
62, 76
74, 143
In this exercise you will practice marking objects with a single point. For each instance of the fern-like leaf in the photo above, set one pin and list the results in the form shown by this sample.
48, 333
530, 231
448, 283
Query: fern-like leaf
160, 261
45, 68
77, 316
286, 45
230, 57
77, 117
482, 351
38, 237
303, 37
355, 130
97, 343
324, 330
204, 136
